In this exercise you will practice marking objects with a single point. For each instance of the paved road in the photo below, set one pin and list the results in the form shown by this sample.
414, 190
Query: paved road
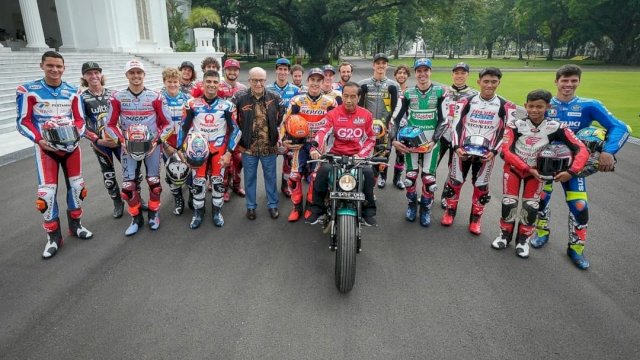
264, 289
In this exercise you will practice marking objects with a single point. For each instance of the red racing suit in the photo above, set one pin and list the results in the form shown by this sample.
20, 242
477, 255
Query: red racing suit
149, 108
37, 102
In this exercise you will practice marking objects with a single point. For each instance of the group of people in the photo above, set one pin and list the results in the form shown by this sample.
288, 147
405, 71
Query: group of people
207, 132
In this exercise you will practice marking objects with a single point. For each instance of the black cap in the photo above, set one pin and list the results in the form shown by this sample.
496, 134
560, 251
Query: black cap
462, 66
379, 56
91, 65
329, 67
187, 64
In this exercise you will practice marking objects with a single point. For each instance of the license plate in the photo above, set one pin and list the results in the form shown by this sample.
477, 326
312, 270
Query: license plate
357, 196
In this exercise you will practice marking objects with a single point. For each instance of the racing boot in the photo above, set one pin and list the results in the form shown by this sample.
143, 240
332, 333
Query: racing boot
196, 220
136, 223
443, 202
382, 179
154, 220
502, 241
118, 207
412, 209
54, 239
522, 246
218, 220
475, 223
284, 187
449, 213
296, 213
425, 211
397, 179
76, 229
576, 254
178, 203
541, 235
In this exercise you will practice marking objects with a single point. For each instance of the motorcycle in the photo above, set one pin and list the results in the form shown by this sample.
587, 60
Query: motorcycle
343, 217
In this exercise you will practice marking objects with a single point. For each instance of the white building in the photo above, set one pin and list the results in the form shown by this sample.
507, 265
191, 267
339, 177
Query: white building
85, 25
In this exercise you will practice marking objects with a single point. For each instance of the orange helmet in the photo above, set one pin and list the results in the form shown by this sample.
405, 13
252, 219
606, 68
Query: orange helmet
297, 127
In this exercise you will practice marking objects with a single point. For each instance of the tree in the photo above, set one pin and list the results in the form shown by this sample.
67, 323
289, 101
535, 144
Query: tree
203, 17
177, 24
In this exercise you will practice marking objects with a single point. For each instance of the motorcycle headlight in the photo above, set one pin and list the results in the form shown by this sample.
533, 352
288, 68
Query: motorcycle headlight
347, 182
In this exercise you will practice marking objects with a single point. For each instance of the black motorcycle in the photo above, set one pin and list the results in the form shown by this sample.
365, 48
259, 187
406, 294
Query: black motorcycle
343, 217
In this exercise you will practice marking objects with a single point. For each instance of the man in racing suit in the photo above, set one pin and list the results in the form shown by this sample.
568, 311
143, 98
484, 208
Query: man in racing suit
401, 74
287, 91
458, 90
229, 86
423, 104
345, 69
379, 95
176, 100
328, 87
485, 114
138, 105
578, 113
214, 118
312, 106
352, 129
523, 140
44, 103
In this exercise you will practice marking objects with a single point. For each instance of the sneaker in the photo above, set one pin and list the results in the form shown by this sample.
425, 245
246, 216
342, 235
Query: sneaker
369, 221
154, 220
500, 243
382, 182
538, 240
575, 252
522, 249
315, 218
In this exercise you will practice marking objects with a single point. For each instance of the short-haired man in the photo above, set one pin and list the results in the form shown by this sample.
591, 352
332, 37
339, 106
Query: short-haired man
352, 129
380, 96
486, 115
229, 86
345, 69
327, 86
458, 90
209, 63
137, 107
214, 118
401, 75
287, 91
260, 113
578, 113
188, 76
48, 110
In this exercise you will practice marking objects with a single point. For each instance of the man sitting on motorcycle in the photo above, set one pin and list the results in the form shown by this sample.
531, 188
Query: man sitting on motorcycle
352, 129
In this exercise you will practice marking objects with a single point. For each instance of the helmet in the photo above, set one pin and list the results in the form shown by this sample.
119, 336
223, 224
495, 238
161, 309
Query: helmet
414, 137
593, 138
297, 126
139, 141
197, 149
177, 171
554, 158
379, 128
476, 145
283, 61
61, 134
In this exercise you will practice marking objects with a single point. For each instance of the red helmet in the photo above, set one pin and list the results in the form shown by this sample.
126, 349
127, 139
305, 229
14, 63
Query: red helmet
139, 141
229, 63
297, 126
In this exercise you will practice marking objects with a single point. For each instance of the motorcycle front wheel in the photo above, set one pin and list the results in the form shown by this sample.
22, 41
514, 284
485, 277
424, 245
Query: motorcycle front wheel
345, 253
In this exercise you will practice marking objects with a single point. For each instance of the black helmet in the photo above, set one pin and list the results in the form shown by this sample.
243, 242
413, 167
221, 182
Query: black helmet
554, 158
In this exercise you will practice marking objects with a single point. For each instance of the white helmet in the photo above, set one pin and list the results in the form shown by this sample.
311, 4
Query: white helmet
139, 141
177, 171
197, 149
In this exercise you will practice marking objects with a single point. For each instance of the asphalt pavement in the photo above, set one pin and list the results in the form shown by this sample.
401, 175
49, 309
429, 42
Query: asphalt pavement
264, 289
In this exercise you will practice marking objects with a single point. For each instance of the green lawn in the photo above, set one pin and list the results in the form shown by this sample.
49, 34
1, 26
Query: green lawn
513, 63
617, 90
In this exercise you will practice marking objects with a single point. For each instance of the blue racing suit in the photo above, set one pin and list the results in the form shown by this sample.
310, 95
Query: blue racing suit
579, 113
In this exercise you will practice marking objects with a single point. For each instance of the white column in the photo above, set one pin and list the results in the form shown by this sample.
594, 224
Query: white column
250, 44
32, 24
237, 51
218, 40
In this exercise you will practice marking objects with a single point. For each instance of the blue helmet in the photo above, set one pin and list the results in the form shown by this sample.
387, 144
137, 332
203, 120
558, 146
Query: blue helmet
283, 61
422, 62
476, 145
593, 138
412, 136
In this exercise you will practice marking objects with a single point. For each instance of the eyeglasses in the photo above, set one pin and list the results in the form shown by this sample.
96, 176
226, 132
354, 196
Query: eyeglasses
258, 81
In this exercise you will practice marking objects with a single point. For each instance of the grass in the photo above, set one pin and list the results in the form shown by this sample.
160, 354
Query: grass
617, 90
512, 63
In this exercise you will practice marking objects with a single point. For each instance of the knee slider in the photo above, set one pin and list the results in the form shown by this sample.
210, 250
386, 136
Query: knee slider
128, 187
46, 198
529, 212
509, 209
78, 189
